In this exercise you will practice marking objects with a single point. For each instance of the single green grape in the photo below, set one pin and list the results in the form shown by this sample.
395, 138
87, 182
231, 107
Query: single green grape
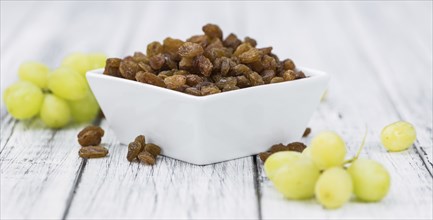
55, 111
84, 110
67, 84
23, 99
398, 136
97, 60
371, 180
334, 188
297, 180
307, 152
279, 159
328, 150
34, 72
80, 62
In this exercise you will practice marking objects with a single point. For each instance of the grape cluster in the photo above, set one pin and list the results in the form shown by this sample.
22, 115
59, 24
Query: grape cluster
57, 96
320, 171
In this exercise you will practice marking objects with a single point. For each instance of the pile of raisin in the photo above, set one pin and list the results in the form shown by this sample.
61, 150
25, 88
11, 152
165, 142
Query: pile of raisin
204, 64
146, 153
90, 139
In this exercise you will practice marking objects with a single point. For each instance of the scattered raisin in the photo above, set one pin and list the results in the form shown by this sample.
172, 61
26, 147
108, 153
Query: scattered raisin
264, 156
306, 132
90, 135
147, 158
278, 147
153, 149
296, 146
134, 148
93, 152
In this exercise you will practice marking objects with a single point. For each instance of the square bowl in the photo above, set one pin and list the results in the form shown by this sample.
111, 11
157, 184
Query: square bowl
209, 129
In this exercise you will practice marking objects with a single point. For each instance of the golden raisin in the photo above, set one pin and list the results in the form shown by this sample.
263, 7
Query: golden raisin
213, 31
190, 50
150, 78
90, 135
147, 158
93, 152
175, 81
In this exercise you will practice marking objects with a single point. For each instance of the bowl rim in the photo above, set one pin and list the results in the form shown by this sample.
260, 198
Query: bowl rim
312, 74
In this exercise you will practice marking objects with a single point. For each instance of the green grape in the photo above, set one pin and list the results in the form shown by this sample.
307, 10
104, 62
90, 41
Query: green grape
34, 72
371, 180
23, 99
84, 110
80, 62
67, 84
307, 152
279, 159
398, 136
97, 60
327, 150
334, 188
55, 111
297, 180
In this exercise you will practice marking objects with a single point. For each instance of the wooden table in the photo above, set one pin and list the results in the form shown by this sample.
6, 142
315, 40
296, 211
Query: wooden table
378, 53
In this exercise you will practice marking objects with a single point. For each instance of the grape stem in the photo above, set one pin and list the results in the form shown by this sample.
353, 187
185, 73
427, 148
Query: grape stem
360, 148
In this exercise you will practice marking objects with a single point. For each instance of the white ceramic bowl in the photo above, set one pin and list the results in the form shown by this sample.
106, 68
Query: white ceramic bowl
209, 129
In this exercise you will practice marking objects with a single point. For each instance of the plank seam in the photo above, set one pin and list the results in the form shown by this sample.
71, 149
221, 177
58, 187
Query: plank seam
74, 188
257, 186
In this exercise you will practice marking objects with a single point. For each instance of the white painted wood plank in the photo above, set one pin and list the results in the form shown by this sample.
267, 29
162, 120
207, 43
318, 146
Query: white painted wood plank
356, 99
40, 166
405, 70
112, 187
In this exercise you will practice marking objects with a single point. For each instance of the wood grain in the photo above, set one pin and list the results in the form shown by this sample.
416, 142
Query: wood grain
114, 188
348, 109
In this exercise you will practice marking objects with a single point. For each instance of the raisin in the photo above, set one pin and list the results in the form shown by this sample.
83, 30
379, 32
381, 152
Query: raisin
227, 81
140, 57
296, 146
145, 67
242, 49
141, 139
128, 69
229, 88
243, 82
266, 51
256, 66
180, 72
185, 63
277, 79
214, 53
226, 63
112, 67
241, 69
134, 148
90, 135
306, 132
203, 64
193, 79
154, 48
268, 75
93, 152
157, 61
204, 83
150, 78
232, 41
250, 56
255, 79
193, 91
289, 75
153, 149
208, 90
269, 62
169, 62
278, 147
171, 45
190, 50
288, 64
264, 156
300, 75
147, 158
251, 41
203, 40
213, 31
175, 81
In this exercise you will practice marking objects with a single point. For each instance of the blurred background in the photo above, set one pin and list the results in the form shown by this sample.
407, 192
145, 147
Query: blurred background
320, 35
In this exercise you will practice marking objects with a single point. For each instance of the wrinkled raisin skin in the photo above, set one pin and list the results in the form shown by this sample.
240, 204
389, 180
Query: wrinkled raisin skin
90, 135
93, 152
